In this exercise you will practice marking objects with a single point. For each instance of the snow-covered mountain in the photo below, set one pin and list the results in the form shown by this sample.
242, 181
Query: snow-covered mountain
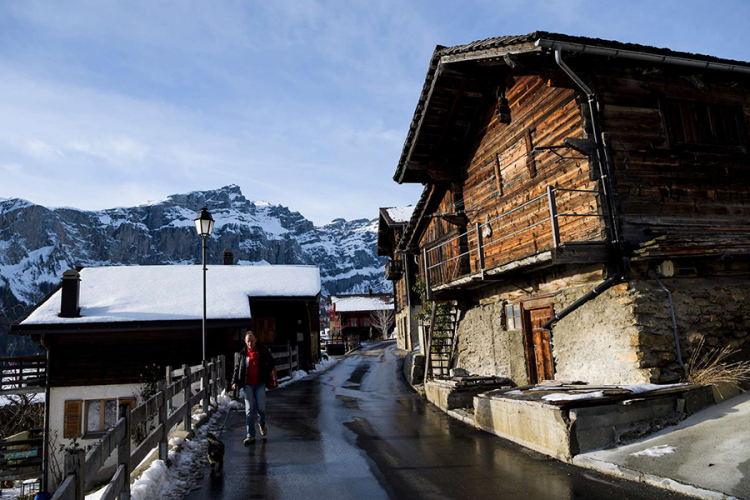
38, 243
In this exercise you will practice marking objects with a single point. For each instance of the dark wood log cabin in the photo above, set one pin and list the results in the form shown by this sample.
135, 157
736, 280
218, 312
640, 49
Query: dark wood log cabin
109, 330
577, 192
402, 270
354, 312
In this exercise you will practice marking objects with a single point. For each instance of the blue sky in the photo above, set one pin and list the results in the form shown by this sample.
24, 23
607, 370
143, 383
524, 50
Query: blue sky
304, 103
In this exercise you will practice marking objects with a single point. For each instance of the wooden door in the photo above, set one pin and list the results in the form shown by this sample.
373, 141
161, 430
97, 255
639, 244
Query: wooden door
538, 349
265, 330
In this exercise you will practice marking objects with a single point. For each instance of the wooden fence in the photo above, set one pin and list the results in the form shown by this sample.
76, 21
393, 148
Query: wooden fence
22, 375
286, 357
80, 468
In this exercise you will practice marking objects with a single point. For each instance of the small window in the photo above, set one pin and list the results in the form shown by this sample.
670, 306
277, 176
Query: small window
351, 322
365, 321
102, 414
703, 123
513, 316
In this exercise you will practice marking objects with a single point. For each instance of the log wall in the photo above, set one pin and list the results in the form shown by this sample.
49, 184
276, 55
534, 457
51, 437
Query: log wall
689, 192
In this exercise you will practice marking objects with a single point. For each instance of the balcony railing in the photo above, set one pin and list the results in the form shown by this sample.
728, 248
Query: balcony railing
525, 230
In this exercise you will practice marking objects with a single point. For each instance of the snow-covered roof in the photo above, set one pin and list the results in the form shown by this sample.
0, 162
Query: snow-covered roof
168, 293
361, 303
400, 215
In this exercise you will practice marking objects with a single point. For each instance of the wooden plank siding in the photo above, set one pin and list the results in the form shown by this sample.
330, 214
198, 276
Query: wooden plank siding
502, 172
668, 188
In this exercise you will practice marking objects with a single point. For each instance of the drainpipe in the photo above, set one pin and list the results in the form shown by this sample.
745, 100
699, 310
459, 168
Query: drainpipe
595, 292
678, 351
603, 162
45, 441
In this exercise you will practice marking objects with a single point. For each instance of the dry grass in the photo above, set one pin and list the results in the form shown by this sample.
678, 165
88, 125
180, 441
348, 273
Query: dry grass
710, 367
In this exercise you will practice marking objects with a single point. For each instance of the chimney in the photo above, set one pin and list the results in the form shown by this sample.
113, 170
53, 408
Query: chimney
228, 257
71, 292
370, 291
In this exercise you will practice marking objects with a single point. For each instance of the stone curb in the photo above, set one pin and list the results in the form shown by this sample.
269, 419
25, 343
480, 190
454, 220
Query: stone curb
463, 416
615, 470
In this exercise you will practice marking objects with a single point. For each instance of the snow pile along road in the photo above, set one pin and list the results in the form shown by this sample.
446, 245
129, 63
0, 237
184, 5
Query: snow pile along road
173, 483
298, 375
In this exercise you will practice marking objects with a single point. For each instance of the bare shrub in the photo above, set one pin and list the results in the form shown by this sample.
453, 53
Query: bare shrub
711, 367
20, 413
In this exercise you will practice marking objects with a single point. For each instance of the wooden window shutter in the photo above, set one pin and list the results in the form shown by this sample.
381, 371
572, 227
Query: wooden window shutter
72, 420
530, 160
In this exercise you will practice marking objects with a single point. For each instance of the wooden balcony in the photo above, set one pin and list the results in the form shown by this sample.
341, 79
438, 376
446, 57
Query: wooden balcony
394, 270
23, 375
560, 226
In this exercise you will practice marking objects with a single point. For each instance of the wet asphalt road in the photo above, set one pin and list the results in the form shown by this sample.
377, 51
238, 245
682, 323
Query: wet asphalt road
357, 431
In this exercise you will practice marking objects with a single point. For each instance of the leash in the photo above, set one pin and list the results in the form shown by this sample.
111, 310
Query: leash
223, 423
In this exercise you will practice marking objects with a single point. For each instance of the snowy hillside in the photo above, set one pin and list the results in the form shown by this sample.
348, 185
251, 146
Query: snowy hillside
38, 243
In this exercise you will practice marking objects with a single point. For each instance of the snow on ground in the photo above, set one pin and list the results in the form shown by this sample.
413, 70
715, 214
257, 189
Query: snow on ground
298, 375
560, 396
655, 451
639, 388
11, 493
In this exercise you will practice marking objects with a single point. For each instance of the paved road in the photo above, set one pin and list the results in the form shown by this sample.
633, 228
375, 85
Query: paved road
357, 431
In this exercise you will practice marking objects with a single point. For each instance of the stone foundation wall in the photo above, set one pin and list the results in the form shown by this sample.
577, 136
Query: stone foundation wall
623, 336
593, 344
716, 308
486, 347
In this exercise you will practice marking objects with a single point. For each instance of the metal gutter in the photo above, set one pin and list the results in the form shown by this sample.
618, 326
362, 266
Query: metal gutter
596, 50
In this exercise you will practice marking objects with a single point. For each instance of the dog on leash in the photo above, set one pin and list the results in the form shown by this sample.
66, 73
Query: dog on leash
215, 452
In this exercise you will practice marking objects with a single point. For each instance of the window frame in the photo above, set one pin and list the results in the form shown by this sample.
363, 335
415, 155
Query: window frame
87, 434
510, 315
675, 131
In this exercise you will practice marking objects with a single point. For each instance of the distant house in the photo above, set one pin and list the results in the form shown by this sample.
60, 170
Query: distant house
402, 269
353, 315
586, 206
106, 328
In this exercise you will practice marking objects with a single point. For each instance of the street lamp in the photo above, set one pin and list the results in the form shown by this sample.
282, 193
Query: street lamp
204, 224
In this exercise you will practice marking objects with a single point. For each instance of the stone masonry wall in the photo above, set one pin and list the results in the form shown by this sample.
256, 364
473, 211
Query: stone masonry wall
623, 336
717, 308
485, 347
593, 344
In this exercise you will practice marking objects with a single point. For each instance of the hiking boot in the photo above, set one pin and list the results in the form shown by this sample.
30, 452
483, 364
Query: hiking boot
249, 440
263, 429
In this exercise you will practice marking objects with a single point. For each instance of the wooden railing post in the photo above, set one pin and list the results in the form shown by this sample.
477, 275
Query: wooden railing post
553, 217
123, 453
168, 380
223, 371
427, 286
480, 247
188, 420
163, 449
205, 384
75, 463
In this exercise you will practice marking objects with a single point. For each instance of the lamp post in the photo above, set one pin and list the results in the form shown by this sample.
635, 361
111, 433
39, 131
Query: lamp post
204, 224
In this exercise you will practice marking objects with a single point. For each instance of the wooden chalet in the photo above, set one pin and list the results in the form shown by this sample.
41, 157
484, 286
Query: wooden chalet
402, 270
109, 330
578, 194
353, 315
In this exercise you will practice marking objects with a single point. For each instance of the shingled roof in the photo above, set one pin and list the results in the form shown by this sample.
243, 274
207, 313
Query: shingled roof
499, 46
